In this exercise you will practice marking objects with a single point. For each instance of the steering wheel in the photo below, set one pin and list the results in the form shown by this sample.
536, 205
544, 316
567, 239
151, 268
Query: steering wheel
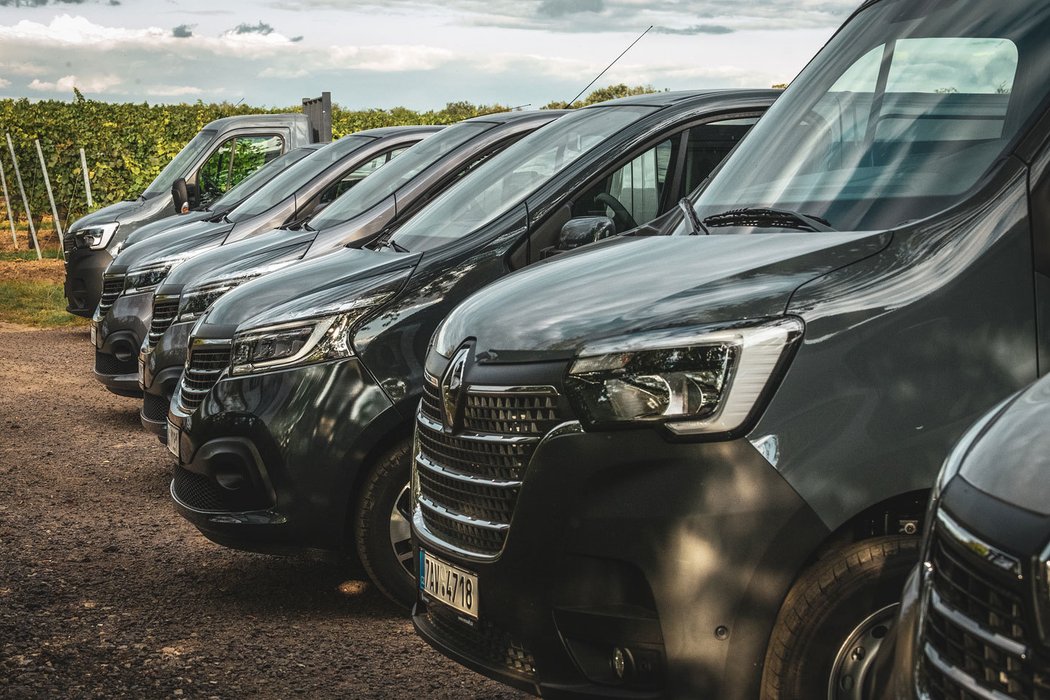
621, 217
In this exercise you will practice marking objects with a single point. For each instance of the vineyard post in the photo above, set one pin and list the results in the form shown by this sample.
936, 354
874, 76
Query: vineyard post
50, 194
25, 200
87, 180
7, 205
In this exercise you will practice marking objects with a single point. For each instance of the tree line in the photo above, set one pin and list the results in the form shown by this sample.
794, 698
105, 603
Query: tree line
127, 144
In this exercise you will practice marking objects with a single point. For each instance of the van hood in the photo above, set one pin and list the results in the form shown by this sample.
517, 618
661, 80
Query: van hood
181, 242
301, 290
239, 259
118, 211
172, 222
633, 285
1009, 460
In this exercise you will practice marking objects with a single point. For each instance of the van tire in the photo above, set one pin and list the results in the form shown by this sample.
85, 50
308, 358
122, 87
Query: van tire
825, 606
382, 489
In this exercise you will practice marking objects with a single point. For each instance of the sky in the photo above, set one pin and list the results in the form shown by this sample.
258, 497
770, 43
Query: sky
419, 54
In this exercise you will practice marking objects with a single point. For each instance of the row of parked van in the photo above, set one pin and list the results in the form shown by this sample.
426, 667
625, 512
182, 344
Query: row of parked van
618, 415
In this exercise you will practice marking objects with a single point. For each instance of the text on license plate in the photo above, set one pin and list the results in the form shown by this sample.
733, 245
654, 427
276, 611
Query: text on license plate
173, 440
448, 584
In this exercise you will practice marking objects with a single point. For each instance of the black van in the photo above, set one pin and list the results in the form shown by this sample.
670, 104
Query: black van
696, 465
292, 421
973, 619
224, 152
123, 315
379, 204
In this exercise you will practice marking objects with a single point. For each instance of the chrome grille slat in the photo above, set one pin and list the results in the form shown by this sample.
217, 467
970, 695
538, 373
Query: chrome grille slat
976, 642
112, 286
510, 414
468, 482
165, 309
204, 367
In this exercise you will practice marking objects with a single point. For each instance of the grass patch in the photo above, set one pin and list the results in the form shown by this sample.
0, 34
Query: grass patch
29, 254
37, 304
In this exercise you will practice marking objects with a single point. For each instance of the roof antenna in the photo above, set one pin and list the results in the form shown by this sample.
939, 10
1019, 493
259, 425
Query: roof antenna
610, 65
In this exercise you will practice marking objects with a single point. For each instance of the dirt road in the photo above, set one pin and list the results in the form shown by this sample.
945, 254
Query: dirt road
105, 591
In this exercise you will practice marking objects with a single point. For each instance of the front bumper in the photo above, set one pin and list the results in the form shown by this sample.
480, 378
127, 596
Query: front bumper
119, 336
268, 462
160, 367
83, 286
680, 553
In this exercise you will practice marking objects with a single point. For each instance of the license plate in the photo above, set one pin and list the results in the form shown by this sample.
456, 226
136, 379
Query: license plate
448, 584
173, 439
142, 372
94, 334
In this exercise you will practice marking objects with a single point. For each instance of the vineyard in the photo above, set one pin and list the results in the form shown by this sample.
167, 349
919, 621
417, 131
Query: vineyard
128, 144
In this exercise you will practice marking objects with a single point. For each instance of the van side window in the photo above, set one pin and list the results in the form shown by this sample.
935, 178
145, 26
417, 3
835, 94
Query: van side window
708, 145
633, 194
341, 186
235, 160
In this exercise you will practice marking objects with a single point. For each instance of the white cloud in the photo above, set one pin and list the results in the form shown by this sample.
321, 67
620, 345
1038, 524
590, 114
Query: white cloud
96, 83
689, 17
173, 90
24, 68
437, 62
4, 83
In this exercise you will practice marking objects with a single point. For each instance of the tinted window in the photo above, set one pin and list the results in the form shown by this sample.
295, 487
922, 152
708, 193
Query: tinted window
414, 161
180, 163
903, 112
508, 178
291, 180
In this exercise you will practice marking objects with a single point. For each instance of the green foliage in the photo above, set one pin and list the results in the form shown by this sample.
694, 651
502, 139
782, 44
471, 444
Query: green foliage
128, 144
611, 92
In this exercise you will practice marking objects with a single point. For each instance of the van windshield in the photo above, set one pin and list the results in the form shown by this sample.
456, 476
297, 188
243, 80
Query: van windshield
506, 180
251, 184
896, 119
298, 175
377, 187
180, 164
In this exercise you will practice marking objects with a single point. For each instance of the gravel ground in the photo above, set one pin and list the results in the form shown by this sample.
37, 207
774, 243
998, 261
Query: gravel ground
105, 591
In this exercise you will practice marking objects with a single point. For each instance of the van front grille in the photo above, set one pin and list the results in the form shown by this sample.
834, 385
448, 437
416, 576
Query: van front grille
112, 286
165, 309
204, 366
469, 481
974, 630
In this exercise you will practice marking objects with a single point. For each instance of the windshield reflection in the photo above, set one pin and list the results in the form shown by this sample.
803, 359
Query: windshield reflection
897, 119
506, 180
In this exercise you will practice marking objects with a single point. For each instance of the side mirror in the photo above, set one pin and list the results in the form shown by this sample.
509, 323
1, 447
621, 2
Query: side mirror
589, 229
180, 196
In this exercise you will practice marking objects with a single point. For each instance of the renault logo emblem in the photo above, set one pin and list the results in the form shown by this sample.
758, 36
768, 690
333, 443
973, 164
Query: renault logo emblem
452, 388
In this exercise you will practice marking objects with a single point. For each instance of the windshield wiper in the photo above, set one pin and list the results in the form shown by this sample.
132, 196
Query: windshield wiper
759, 217
391, 243
387, 241
690, 214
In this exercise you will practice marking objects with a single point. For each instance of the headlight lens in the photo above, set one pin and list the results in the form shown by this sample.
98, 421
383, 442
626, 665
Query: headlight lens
96, 237
147, 278
194, 303
300, 343
707, 382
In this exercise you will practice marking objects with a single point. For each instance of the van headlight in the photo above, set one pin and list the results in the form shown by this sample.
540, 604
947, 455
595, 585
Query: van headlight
148, 278
96, 237
196, 301
699, 382
301, 342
